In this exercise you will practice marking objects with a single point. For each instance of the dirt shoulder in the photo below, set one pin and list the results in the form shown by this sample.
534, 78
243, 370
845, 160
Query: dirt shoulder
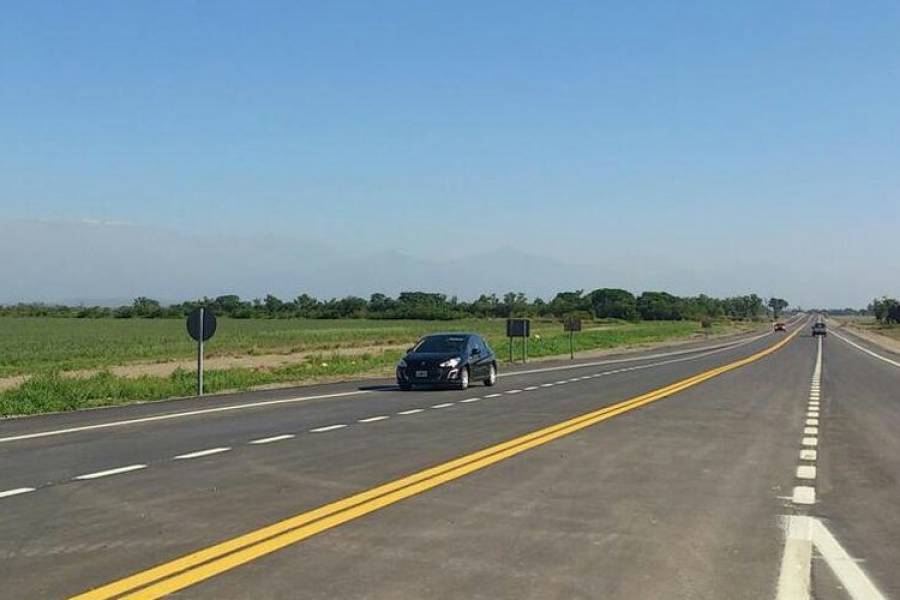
881, 340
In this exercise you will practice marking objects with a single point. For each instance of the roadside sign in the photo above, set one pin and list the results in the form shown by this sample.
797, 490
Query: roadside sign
201, 325
572, 324
520, 328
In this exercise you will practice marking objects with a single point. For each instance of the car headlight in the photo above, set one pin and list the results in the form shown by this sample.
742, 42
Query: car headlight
453, 362
401, 364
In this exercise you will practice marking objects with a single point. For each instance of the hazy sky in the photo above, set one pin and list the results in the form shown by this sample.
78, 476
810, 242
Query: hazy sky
720, 147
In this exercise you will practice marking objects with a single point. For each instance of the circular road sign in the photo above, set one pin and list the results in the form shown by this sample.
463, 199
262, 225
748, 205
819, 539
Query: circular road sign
209, 323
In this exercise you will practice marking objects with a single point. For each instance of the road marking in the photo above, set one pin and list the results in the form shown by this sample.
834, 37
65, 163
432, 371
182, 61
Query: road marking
812, 422
277, 438
100, 474
373, 419
561, 382
805, 533
16, 492
793, 580
328, 428
810, 431
469, 400
573, 380
193, 568
869, 352
513, 391
531, 388
444, 405
493, 395
810, 441
411, 411
806, 472
807, 454
804, 494
546, 385
200, 453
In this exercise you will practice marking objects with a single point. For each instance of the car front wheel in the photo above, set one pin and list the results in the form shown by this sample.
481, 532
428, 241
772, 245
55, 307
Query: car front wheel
463, 379
492, 376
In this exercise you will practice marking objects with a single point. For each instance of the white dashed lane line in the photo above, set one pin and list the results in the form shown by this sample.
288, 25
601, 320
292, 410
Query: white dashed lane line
803, 494
109, 472
810, 431
411, 411
513, 391
201, 453
807, 454
16, 492
328, 428
531, 388
373, 419
493, 395
546, 385
810, 441
273, 439
467, 400
806, 472
443, 405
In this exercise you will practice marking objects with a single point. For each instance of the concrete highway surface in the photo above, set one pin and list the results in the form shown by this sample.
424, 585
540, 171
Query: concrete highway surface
763, 466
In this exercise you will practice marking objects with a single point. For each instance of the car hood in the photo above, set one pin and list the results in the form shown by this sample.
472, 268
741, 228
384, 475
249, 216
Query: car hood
430, 357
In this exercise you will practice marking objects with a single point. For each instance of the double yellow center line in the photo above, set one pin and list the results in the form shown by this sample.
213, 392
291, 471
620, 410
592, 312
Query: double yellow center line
214, 560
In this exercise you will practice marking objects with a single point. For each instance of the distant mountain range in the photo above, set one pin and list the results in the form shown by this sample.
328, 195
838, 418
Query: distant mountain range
108, 264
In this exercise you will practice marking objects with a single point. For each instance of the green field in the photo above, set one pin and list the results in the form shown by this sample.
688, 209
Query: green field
43, 348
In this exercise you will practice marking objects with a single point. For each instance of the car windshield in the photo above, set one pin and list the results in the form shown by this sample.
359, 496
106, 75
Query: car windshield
442, 344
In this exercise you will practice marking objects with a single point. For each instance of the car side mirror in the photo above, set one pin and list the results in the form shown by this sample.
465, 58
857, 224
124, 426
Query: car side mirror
475, 351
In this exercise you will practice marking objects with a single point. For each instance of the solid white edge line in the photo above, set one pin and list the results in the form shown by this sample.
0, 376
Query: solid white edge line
867, 351
802, 534
200, 453
16, 492
276, 438
847, 570
108, 472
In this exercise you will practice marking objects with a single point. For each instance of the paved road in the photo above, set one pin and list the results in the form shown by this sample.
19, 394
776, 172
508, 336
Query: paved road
656, 475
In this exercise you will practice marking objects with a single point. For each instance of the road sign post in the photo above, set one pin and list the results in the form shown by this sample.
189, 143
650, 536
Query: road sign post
572, 324
518, 328
201, 325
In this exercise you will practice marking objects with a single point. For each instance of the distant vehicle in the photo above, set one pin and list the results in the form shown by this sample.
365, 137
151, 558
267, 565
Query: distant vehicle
447, 360
779, 326
819, 329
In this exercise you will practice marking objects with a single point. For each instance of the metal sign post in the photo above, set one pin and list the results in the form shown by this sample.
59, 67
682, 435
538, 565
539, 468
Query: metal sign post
518, 328
200, 356
572, 325
201, 325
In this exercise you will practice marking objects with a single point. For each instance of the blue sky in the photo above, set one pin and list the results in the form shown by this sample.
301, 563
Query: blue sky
712, 137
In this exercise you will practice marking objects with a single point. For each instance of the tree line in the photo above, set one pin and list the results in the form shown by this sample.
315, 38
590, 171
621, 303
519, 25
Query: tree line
601, 303
886, 310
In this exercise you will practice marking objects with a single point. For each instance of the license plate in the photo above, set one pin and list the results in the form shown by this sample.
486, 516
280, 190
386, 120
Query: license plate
421, 373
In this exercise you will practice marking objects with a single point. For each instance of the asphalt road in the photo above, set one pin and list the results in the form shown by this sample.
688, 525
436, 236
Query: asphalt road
758, 468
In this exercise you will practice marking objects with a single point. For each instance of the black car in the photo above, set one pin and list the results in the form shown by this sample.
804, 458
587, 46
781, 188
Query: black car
819, 329
447, 360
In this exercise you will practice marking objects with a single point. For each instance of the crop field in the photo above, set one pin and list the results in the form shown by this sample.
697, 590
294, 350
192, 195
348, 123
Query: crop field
40, 351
